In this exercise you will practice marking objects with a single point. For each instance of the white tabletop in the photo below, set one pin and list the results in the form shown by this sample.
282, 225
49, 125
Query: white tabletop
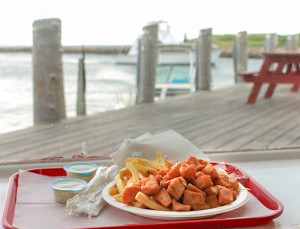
278, 172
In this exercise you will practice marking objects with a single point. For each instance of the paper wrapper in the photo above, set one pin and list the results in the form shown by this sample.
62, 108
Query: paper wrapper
174, 146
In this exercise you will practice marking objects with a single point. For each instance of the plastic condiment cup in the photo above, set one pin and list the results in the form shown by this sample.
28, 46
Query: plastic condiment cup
81, 170
66, 188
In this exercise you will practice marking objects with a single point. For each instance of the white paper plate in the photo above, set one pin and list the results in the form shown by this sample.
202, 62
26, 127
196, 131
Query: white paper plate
241, 199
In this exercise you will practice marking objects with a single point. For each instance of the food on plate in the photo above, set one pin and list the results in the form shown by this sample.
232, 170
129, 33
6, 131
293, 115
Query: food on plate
66, 188
81, 170
194, 184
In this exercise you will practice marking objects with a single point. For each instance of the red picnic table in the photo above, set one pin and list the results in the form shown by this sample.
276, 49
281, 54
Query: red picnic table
276, 68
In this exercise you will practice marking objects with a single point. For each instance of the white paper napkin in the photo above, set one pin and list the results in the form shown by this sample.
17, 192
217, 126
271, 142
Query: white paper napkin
173, 145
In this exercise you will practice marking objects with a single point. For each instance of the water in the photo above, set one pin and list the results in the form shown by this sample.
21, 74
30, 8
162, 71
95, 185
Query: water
108, 86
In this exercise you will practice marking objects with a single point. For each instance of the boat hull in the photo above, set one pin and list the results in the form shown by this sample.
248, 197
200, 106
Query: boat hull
170, 58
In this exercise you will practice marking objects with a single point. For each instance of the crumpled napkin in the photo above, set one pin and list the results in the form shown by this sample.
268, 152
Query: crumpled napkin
173, 145
89, 201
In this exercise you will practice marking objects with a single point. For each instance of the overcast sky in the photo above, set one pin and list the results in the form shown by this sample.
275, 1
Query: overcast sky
104, 22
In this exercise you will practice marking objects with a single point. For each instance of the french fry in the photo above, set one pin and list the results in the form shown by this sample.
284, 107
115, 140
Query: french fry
119, 183
139, 205
149, 163
124, 172
130, 166
131, 159
118, 197
150, 203
146, 171
125, 179
168, 164
160, 159
135, 170
141, 176
113, 190
144, 162
129, 182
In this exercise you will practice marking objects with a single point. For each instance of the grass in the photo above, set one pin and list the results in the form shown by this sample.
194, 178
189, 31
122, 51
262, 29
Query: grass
254, 40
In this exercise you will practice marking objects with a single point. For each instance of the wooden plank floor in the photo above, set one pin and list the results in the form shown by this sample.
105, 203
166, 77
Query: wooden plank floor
219, 119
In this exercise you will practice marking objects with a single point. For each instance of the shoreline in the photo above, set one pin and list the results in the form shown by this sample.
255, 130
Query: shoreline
104, 49
253, 52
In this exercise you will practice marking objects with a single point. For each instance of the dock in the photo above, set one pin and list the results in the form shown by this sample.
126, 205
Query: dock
217, 120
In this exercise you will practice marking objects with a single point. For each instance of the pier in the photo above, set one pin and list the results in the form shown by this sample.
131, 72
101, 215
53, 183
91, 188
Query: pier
216, 120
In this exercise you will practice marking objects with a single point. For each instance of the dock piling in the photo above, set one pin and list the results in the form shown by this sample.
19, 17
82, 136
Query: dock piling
270, 42
240, 54
292, 43
203, 60
138, 70
81, 86
48, 87
146, 87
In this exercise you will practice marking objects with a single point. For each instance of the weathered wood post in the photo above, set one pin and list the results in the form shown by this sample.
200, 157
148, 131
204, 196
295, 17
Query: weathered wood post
203, 60
270, 43
138, 69
81, 86
292, 43
48, 87
240, 54
148, 64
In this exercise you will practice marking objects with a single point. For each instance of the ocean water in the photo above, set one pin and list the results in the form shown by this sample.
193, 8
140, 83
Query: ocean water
108, 86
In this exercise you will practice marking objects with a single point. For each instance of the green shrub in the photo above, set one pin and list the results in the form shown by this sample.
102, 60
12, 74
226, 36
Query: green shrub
254, 40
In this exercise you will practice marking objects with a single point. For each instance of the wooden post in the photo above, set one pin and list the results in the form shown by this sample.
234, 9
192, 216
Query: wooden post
270, 42
292, 43
138, 69
240, 55
203, 60
48, 87
148, 64
80, 105
270, 45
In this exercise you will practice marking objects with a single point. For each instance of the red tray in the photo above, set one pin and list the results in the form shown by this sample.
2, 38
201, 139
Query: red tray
266, 198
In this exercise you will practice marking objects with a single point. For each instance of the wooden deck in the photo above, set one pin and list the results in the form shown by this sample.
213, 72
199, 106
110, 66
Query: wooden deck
219, 119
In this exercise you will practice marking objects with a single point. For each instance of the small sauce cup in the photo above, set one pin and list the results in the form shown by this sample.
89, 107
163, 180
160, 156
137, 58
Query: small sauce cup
66, 188
81, 170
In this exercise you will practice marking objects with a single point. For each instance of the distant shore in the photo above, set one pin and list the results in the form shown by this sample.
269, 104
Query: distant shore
253, 52
110, 49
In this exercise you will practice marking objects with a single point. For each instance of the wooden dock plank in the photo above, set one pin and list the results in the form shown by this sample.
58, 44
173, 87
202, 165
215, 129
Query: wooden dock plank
218, 119
236, 125
244, 131
290, 137
66, 132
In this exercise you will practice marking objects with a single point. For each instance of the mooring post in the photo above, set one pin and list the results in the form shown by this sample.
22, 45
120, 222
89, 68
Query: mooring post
146, 91
203, 60
270, 43
292, 43
138, 69
240, 54
81, 87
48, 86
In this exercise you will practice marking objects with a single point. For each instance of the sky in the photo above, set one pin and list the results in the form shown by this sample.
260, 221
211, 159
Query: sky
117, 22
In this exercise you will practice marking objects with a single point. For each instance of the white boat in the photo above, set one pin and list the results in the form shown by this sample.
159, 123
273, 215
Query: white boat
182, 54
176, 67
170, 51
